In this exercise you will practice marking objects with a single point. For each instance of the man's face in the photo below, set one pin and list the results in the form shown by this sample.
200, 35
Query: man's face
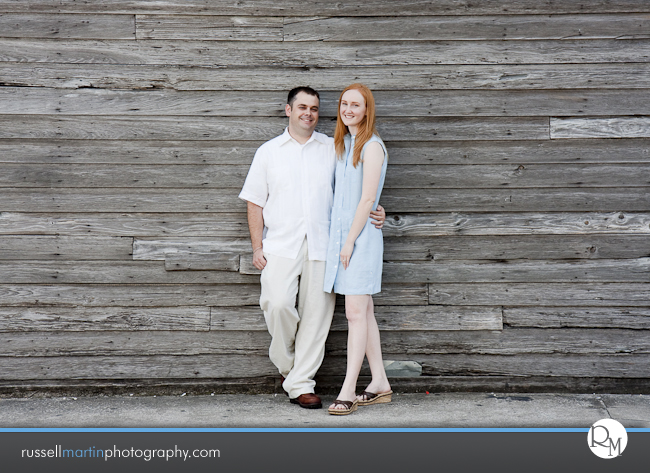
303, 115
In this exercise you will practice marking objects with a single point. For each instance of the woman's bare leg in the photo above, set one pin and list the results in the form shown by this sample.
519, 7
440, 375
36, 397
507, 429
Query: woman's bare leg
379, 382
356, 311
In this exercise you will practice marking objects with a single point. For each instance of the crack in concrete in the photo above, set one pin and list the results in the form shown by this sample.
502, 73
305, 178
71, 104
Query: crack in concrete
604, 406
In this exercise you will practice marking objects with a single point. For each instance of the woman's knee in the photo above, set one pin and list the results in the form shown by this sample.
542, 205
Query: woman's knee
354, 315
356, 308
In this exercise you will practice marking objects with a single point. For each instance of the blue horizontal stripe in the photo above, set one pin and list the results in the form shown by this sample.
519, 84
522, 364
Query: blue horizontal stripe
413, 430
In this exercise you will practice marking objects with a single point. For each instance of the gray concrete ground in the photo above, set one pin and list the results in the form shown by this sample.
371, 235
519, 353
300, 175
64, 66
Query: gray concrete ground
488, 410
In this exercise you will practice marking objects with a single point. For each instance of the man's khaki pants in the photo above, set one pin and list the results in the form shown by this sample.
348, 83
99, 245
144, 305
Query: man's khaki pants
298, 336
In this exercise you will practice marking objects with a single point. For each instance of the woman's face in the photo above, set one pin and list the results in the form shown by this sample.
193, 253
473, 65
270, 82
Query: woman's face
353, 108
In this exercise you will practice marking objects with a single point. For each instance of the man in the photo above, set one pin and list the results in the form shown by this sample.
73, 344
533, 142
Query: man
289, 190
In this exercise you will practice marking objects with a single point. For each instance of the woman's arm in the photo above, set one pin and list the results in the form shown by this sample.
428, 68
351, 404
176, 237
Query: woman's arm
373, 158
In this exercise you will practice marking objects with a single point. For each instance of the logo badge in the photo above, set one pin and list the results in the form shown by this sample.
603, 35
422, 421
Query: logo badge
607, 438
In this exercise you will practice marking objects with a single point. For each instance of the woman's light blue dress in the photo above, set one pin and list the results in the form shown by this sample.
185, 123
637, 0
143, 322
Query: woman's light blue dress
363, 275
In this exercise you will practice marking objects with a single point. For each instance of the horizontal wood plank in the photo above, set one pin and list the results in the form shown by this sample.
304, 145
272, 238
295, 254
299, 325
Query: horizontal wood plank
258, 128
326, 54
500, 176
477, 176
123, 175
175, 128
330, 384
218, 261
440, 247
597, 151
202, 152
565, 223
389, 318
512, 254
80, 26
43, 101
209, 28
54, 151
543, 294
438, 103
618, 127
540, 200
135, 343
637, 318
235, 366
509, 342
51, 247
517, 200
334, 78
451, 28
519, 247
514, 342
126, 224
149, 386
298, 7
135, 367
93, 319
170, 295
610, 366
112, 272
19, 269
117, 200
396, 200
163, 249
129, 295
451, 384
135, 152
611, 270
228, 226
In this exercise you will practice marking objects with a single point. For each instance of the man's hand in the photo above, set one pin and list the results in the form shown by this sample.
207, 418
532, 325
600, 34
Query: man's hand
378, 217
258, 259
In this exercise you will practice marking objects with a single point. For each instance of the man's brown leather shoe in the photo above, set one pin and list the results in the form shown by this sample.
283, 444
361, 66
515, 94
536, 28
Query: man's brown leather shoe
282, 378
308, 401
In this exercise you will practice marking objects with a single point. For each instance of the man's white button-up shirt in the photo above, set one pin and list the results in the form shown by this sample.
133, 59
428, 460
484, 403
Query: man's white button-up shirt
294, 184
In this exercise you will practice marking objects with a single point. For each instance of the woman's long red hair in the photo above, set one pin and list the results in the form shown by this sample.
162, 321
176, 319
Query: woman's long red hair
365, 129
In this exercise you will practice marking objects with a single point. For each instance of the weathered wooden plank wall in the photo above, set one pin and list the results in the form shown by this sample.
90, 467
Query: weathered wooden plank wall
517, 250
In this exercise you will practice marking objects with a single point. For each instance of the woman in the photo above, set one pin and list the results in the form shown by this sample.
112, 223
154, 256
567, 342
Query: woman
355, 252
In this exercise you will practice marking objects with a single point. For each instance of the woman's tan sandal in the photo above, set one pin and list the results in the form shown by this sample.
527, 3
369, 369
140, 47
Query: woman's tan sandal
350, 407
374, 398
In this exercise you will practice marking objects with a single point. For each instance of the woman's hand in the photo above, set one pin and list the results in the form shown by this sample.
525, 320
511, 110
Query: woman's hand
346, 254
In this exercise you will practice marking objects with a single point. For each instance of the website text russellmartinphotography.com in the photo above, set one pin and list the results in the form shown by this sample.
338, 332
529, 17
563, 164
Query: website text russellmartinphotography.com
147, 454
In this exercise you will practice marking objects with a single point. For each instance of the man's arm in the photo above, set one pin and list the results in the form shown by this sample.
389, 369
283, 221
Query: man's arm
378, 217
256, 229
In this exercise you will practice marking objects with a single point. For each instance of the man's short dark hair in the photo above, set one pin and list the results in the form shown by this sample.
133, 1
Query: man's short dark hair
293, 92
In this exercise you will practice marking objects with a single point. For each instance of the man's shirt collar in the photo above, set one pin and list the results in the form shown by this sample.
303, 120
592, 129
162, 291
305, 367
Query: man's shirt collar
285, 137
